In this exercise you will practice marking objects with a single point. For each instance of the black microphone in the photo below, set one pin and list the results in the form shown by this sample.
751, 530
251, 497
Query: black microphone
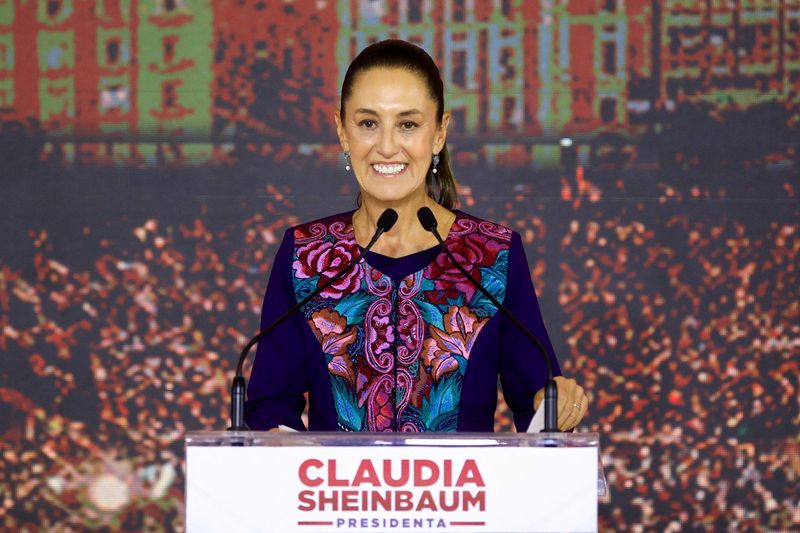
428, 221
239, 386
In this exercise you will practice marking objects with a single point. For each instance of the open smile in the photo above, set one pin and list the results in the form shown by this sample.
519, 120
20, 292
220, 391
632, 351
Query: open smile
389, 169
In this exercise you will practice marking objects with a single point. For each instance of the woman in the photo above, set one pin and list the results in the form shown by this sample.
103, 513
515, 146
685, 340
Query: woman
402, 342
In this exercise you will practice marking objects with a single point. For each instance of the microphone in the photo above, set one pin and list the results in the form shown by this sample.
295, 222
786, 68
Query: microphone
428, 221
239, 385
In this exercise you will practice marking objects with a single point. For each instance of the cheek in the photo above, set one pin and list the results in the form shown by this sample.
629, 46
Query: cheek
420, 146
422, 154
358, 139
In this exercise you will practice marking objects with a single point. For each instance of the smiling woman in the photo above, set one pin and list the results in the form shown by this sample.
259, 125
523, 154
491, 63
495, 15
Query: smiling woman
391, 130
402, 341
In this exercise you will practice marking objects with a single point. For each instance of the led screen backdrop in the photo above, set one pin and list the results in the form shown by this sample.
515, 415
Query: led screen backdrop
153, 152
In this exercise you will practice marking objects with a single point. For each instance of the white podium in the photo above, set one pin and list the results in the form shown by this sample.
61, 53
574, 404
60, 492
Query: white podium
259, 482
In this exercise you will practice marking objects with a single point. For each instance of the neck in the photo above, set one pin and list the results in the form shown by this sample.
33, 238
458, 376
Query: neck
407, 236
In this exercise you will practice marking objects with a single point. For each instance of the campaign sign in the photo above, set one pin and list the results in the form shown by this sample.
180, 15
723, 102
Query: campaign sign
391, 488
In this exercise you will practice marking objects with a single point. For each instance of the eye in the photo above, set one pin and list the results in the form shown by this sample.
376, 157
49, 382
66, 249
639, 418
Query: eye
368, 123
408, 125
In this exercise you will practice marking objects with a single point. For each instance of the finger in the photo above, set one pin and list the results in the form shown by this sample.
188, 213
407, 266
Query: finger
567, 416
571, 418
579, 412
564, 396
584, 407
568, 393
567, 388
576, 410
563, 408
563, 416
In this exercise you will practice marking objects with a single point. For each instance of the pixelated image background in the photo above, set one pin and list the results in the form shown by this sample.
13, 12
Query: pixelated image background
153, 152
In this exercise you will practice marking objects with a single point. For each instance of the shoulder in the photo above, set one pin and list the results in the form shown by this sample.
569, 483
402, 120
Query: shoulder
339, 226
467, 225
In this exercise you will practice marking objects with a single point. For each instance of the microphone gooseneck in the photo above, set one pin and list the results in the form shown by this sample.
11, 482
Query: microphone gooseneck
239, 386
429, 223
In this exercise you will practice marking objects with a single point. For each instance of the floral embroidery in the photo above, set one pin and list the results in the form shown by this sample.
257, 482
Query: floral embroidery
397, 354
324, 259
461, 328
472, 251
329, 327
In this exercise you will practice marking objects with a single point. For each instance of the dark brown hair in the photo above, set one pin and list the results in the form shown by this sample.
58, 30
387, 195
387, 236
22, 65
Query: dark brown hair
395, 53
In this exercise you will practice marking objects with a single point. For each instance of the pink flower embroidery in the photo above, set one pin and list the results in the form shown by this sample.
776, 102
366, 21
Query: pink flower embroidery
325, 259
381, 334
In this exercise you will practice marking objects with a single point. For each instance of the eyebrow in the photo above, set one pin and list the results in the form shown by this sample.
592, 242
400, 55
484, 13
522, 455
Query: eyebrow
402, 113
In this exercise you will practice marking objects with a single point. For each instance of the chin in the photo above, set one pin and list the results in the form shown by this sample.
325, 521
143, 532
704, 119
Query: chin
390, 193
388, 198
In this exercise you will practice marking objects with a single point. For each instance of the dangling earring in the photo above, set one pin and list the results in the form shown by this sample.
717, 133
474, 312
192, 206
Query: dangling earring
347, 161
435, 162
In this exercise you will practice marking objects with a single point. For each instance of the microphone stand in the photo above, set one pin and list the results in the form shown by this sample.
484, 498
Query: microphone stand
239, 385
428, 221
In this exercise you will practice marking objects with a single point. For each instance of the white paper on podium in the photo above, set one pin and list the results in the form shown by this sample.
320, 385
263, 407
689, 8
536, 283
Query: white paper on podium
537, 424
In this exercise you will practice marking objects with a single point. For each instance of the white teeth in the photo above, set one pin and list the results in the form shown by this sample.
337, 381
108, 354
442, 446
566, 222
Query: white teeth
389, 169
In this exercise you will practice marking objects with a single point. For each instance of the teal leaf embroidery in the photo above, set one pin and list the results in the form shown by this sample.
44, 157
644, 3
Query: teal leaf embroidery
349, 413
431, 314
304, 286
442, 400
354, 306
493, 278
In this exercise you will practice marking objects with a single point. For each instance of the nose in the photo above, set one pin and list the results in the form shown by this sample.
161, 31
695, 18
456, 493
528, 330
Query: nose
387, 144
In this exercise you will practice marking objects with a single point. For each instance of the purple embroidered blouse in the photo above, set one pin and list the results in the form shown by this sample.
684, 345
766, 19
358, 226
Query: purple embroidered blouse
404, 344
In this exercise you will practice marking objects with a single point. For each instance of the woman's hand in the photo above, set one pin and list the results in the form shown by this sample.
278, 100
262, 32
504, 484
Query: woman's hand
572, 402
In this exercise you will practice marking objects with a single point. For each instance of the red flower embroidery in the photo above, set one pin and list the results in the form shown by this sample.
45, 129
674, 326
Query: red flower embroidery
472, 251
325, 259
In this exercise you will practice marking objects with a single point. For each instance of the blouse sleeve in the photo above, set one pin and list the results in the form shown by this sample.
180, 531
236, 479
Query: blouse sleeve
523, 370
279, 375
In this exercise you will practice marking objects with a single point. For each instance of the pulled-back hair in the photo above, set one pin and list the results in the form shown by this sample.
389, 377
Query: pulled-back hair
395, 53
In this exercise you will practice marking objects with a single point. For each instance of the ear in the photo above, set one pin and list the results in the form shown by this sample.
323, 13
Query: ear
441, 133
337, 119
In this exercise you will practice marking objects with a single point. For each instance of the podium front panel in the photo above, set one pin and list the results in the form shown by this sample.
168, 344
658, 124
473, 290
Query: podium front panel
279, 482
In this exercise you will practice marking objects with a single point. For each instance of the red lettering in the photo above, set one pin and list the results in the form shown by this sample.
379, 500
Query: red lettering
384, 499
402, 501
444, 506
420, 467
303, 472
325, 500
426, 502
366, 474
470, 474
306, 498
350, 500
387, 473
448, 473
333, 481
478, 499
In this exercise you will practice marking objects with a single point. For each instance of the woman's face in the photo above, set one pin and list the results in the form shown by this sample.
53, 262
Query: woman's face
391, 132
